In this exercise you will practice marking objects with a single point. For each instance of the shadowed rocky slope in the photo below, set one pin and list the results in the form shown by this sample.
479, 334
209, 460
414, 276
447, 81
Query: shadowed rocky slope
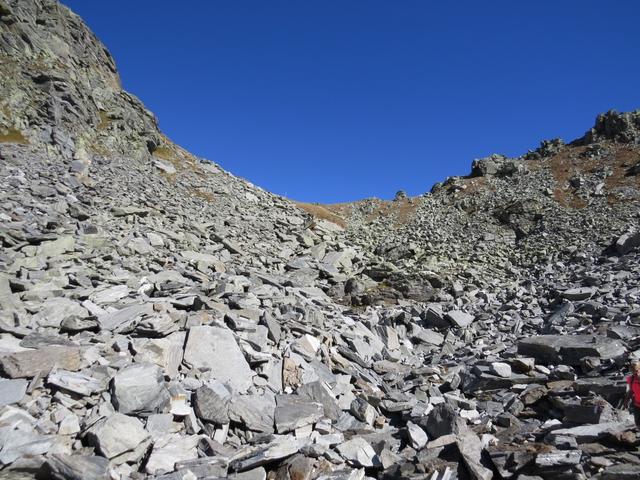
161, 318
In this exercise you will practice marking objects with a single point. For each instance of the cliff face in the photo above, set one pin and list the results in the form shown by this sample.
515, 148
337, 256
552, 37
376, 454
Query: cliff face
162, 318
61, 87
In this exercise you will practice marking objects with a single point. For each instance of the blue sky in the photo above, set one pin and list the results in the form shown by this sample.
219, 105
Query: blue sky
338, 100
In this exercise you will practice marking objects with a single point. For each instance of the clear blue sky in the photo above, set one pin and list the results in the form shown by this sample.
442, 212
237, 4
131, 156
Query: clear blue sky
335, 100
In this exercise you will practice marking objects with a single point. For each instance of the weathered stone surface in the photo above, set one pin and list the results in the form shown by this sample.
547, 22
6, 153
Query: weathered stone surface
29, 363
137, 278
458, 318
117, 435
170, 450
293, 411
76, 382
139, 389
211, 403
12, 391
215, 349
358, 452
570, 349
78, 467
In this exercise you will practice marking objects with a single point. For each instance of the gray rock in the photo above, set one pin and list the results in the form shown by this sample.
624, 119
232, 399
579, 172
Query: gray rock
443, 420
170, 450
293, 411
501, 369
570, 349
277, 450
254, 412
18, 443
76, 382
417, 436
139, 389
215, 349
117, 435
576, 294
29, 363
627, 242
558, 458
211, 403
12, 391
359, 453
460, 319
78, 467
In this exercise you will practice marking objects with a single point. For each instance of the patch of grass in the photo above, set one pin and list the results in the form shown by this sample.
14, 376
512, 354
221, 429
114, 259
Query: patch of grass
13, 136
165, 153
207, 196
321, 212
105, 121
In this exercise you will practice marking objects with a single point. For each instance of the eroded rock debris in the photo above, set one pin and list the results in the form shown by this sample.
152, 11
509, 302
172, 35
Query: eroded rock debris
161, 318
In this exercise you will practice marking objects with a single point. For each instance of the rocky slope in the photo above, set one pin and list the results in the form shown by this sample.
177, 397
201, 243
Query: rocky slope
161, 318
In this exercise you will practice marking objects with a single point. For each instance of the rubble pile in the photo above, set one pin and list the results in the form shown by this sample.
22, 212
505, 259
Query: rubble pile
161, 318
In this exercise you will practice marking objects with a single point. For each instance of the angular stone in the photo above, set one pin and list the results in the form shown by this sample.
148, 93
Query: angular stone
169, 450
501, 369
18, 443
319, 393
558, 458
417, 437
165, 352
29, 363
359, 453
211, 403
117, 434
78, 467
570, 349
577, 294
254, 412
56, 310
363, 411
293, 411
460, 319
139, 389
277, 450
215, 349
12, 391
470, 448
76, 382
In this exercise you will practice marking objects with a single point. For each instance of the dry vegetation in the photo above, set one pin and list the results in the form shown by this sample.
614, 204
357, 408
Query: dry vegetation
322, 212
105, 121
571, 162
13, 136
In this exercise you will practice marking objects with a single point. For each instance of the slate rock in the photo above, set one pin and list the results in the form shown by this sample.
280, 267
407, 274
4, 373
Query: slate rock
570, 349
78, 467
117, 435
358, 452
211, 403
293, 411
29, 363
12, 391
139, 389
215, 349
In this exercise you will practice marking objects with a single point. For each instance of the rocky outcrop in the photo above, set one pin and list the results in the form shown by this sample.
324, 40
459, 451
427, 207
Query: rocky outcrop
622, 127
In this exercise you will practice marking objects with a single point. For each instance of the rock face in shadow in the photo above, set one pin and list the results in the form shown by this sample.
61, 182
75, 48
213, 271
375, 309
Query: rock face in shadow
161, 318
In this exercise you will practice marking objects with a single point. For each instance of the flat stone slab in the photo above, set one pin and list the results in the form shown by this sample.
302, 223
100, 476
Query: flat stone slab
117, 434
12, 391
215, 349
139, 389
591, 433
293, 411
28, 363
570, 349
